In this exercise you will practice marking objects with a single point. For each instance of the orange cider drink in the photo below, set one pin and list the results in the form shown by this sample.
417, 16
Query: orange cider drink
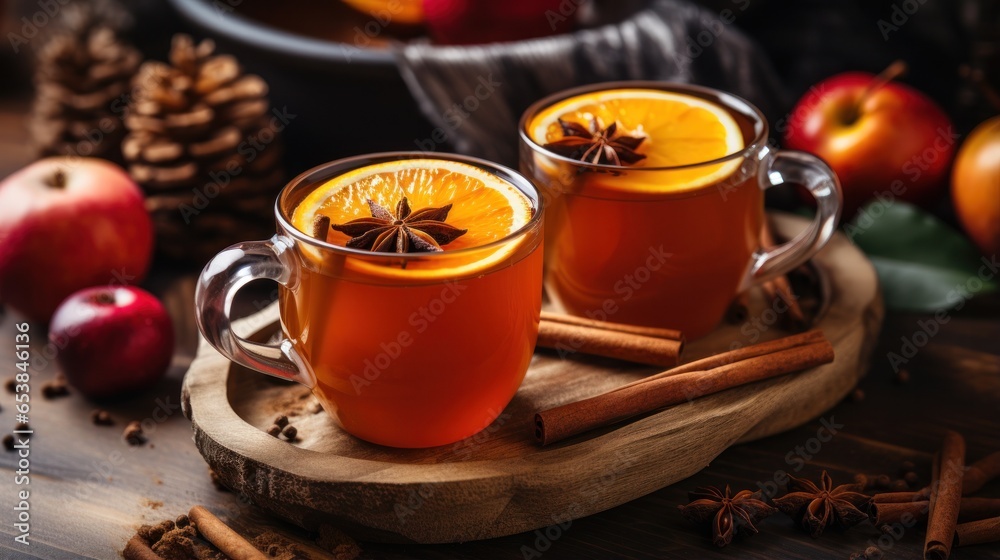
655, 201
418, 348
409, 293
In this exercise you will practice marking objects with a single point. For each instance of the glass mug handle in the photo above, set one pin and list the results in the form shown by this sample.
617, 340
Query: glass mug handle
784, 166
221, 278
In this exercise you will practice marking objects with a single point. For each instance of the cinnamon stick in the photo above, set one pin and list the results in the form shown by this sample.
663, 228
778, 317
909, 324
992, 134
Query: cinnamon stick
222, 536
977, 475
321, 227
571, 338
671, 388
889, 513
946, 497
137, 549
779, 289
902, 497
978, 532
970, 509
980, 473
737, 355
608, 325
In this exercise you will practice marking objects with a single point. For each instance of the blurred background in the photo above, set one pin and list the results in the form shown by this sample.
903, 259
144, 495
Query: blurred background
804, 40
355, 76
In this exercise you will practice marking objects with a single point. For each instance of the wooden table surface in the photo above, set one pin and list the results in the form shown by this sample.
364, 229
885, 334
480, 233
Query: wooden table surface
89, 490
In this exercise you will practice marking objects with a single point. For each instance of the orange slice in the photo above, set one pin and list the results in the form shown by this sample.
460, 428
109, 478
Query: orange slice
487, 206
679, 130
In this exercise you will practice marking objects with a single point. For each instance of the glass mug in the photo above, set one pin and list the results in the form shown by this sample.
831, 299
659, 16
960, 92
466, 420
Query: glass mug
399, 349
622, 245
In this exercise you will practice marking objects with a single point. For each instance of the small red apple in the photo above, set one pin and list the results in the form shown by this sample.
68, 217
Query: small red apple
880, 137
112, 340
465, 22
66, 224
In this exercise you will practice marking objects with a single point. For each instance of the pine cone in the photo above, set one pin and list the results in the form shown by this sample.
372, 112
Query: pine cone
82, 81
202, 144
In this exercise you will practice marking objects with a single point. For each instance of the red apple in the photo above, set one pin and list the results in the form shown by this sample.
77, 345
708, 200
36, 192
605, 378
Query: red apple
111, 341
463, 22
66, 224
882, 138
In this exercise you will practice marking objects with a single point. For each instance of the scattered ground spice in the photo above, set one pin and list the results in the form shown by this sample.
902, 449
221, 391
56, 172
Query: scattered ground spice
273, 545
8, 442
101, 418
177, 544
152, 504
152, 533
278, 547
180, 540
133, 433
291, 403
170, 541
11, 385
55, 388
338, 543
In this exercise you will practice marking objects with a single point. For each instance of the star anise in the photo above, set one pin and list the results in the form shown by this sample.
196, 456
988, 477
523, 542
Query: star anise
818, 507
403, 232
727, 513
596, 145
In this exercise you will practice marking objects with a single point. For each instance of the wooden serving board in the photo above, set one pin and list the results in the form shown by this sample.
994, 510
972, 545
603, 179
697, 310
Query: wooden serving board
499, 482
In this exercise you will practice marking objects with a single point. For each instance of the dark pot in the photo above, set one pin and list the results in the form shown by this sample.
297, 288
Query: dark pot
345, 100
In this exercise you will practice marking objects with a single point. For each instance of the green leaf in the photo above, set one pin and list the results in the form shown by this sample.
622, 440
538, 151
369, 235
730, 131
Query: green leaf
923, 265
